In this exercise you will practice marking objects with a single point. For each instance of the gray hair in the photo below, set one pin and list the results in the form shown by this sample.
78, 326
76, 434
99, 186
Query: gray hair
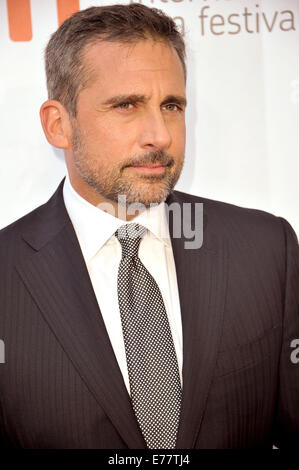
64, 54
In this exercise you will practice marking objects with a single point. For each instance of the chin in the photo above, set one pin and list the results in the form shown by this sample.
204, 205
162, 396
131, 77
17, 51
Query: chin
153, 195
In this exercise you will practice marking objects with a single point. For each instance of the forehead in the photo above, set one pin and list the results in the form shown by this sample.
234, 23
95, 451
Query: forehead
147, 61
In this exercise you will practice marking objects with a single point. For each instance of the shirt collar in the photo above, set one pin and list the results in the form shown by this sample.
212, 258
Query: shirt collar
94, 227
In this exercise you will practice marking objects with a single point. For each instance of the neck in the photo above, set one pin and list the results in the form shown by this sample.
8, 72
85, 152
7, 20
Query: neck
117, 209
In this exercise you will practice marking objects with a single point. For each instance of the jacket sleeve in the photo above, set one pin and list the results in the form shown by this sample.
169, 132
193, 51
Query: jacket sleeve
286, 428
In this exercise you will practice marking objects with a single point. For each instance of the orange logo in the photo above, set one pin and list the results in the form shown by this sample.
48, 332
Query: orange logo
19, 16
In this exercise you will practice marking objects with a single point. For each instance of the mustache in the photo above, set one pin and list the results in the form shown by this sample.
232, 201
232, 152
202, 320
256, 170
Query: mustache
150, 158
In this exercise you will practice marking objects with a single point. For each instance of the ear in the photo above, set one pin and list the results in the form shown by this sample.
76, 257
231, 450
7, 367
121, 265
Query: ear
56, 124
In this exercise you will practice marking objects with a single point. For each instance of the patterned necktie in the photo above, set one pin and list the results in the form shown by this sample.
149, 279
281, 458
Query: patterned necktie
151, 358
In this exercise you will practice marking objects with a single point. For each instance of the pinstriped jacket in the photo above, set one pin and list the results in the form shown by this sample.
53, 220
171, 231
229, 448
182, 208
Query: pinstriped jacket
60, 385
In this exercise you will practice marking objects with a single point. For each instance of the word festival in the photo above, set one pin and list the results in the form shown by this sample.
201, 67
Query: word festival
250, 19
246, 21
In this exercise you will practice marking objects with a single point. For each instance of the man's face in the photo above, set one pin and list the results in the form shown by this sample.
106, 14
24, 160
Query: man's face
129, 132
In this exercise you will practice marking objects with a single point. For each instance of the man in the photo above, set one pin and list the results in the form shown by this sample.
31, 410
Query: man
114, 343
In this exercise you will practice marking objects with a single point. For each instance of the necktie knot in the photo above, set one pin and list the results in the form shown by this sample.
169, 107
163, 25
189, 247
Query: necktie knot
129, 236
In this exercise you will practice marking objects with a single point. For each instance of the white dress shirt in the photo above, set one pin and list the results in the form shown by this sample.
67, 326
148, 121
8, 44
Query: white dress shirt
102, 254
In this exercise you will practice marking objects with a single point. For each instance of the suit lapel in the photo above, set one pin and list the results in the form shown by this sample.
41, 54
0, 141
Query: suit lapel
57, 278
202, 279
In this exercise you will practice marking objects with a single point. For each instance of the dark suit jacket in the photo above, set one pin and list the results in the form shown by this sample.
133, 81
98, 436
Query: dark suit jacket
60, 385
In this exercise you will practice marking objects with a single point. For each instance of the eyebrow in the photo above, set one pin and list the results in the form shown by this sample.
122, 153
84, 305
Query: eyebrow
134, 99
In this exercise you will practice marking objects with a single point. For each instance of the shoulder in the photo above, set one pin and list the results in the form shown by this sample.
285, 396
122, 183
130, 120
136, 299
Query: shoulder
13, 231
226, 210
34, 228
12, 245
241, 224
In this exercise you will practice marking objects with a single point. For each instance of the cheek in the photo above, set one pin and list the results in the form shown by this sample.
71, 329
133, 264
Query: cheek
107, 146
111, 135
179, 137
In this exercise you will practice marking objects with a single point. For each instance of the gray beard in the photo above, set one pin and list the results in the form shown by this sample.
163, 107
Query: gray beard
144, 189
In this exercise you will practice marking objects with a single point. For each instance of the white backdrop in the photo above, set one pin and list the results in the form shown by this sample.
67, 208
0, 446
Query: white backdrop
243, 93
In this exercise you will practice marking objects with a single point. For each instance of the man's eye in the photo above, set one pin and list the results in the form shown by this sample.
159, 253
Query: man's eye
124, 105
172, 107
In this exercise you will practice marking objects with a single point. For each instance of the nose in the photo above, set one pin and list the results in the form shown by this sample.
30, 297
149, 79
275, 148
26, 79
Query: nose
154, 133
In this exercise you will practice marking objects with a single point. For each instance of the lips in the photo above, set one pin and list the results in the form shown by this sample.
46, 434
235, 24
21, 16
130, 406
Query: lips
149, 166
155, 169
